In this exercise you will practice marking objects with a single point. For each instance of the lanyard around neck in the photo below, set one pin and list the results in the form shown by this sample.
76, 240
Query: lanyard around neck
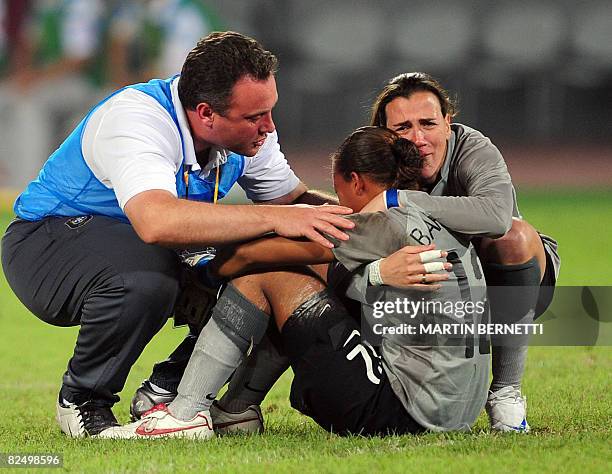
186, 180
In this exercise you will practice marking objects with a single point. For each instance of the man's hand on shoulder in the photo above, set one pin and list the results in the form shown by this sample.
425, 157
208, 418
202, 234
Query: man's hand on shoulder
312, 215
312, 222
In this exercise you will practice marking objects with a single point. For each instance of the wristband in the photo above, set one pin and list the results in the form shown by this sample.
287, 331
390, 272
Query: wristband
374, 274
391, 198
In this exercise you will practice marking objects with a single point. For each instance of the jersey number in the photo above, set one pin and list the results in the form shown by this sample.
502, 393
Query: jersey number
362, 349
466, 295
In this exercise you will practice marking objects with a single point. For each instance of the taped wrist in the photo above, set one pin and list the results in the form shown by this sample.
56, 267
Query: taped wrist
374, 273
243, 322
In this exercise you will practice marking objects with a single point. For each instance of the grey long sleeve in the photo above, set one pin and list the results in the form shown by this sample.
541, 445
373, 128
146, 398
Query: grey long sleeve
475, 194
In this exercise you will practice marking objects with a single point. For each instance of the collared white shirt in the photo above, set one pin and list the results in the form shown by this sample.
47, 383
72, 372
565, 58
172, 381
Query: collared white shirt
132, 145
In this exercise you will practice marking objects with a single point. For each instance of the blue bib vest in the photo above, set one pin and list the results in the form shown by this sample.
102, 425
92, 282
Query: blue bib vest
66, 186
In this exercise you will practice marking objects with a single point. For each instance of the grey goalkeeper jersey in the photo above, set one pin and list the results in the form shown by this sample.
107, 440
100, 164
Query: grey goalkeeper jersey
474, 195
441, 380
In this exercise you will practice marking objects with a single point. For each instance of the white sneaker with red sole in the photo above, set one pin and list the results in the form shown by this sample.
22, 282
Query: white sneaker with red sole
158, 422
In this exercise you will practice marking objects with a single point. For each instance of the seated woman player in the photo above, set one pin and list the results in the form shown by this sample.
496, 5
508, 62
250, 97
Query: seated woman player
410, 383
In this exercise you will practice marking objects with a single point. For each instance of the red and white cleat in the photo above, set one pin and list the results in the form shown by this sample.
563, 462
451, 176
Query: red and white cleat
158, 422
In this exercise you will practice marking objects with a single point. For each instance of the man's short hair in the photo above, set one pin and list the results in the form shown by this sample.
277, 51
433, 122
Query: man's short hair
217, 62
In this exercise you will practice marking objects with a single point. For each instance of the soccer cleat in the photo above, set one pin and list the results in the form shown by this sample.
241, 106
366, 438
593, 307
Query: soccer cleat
249, 421
507, 410
160, 423
145, 398
86, 419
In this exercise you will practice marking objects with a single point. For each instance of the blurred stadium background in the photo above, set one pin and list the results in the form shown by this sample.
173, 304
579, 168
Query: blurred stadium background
535, 76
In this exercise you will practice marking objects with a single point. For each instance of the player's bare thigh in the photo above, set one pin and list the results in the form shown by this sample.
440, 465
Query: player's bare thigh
279, 293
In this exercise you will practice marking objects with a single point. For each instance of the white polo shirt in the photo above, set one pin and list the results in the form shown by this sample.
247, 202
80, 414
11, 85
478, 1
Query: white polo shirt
132, 145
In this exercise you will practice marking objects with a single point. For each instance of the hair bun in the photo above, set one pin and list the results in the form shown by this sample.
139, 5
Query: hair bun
409, 163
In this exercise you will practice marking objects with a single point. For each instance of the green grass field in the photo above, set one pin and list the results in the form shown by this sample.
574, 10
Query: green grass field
569, 390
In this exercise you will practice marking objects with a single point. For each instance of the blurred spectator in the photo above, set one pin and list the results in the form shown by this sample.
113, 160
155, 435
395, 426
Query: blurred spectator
3, 35
151, 38
48, 81
12, 15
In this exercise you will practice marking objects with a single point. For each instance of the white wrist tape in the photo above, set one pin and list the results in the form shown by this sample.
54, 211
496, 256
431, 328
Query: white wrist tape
434, 267
374, 273
430, 255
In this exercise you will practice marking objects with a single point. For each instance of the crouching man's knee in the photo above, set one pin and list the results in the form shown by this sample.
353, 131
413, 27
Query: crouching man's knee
154, 291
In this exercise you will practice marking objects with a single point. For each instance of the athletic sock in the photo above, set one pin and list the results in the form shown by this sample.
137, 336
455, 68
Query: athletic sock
255, 377
513, 294
235, 326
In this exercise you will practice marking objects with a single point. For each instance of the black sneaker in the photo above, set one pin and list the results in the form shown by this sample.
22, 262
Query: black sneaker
87, 419
146, 397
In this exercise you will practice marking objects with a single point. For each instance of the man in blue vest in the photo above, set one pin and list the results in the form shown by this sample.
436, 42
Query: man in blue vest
95, 238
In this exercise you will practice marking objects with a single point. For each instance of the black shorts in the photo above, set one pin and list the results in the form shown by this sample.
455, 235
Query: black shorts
547, 286
339, 381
